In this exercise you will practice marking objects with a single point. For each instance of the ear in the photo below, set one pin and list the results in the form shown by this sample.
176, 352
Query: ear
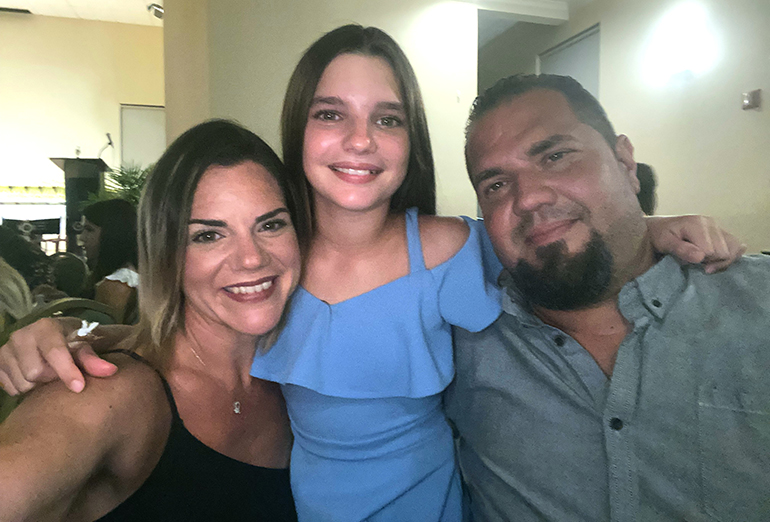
624, 152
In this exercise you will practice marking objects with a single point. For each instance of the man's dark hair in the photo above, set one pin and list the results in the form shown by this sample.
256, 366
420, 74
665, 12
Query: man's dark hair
587, 108
646, 196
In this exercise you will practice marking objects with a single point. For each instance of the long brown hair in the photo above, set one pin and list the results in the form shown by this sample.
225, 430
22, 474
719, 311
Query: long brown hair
419, 186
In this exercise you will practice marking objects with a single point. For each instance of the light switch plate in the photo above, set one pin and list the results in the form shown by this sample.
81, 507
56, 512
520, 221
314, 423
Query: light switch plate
752, 100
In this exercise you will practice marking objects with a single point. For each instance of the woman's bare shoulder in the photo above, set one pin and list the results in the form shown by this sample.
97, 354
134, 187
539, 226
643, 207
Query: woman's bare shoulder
56, 442
442, 237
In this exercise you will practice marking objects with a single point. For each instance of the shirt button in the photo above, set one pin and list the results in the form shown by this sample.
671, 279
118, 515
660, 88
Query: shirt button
559, 340
656, 303
616, 424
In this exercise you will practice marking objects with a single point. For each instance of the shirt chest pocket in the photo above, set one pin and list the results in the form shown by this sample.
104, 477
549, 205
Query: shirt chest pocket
734, 439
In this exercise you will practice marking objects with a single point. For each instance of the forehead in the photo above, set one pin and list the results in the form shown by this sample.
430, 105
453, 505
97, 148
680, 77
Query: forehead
245, 183
359, 74
514, 125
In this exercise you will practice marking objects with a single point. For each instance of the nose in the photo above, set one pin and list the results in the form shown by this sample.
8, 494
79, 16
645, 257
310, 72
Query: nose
359, 138
532, 192
252, 253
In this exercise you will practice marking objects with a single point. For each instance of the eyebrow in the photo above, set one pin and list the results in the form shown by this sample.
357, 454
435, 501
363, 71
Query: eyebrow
221, 224
536, 149
336, 100
550, 141
327, 100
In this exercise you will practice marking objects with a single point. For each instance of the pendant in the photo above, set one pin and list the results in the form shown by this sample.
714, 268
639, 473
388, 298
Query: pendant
237, 407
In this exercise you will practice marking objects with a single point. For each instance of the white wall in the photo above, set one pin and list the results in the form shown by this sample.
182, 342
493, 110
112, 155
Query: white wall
709, 154
252, 47
61, 85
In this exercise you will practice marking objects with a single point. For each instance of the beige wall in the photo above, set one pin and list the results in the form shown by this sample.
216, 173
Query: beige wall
253, 47
188, 98
513, 52
708, 153
61, 85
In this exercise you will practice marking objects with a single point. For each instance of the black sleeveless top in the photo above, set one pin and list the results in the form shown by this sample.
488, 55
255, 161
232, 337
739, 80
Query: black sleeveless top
193, 482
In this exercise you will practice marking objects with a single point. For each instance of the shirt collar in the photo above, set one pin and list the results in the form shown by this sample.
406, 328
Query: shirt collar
656, 289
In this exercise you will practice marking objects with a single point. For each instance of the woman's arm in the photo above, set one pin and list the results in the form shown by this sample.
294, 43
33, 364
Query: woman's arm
79, 454
39, 353
114, 294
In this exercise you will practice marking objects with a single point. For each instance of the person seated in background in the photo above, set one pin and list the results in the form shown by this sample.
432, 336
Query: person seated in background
647, 185
15, 297
24, 257
109, 240
617, 384
182, 432
68, 274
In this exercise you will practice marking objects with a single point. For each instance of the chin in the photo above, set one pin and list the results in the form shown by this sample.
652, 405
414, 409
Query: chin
564, 280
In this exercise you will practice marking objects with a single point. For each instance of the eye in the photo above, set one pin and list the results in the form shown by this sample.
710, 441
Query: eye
494, 187
556, 156
206, 236
326, 115
390, 122
274, 225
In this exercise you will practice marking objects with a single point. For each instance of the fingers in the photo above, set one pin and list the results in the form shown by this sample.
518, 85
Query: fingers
92, 364
696, 239
38, 353
63, 365
14, 382
6, 385
687, 253
735, 252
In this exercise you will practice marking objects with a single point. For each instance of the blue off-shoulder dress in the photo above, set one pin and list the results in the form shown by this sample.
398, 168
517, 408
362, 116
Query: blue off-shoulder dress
363, 380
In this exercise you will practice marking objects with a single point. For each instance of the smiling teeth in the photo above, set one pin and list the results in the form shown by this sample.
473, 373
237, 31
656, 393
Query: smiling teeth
250, 289
355, 172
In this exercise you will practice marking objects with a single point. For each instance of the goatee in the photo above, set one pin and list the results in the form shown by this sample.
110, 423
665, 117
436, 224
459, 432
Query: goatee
564, 281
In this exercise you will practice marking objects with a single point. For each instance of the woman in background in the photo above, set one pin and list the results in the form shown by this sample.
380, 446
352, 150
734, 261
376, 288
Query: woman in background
109, 241
15, 297
182, 432
15, 303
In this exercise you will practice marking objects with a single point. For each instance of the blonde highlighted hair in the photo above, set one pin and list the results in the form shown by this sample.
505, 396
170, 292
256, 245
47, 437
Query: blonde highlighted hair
163, 218
15, 297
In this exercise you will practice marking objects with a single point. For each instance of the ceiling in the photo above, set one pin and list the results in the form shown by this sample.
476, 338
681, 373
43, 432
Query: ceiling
495, 23
122, 11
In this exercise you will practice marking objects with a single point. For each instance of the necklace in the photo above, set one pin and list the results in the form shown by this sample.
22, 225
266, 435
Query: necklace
236, 404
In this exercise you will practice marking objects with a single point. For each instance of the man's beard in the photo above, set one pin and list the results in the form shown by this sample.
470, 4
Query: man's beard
566, 282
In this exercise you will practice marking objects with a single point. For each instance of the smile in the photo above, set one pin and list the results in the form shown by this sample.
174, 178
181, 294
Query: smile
356, 172
250, 289
549, 232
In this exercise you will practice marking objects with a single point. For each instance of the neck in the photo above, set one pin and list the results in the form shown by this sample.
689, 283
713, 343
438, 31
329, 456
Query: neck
601, 328
349, 230
215, 350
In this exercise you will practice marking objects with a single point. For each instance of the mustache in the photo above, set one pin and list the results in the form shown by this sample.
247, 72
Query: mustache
548, 214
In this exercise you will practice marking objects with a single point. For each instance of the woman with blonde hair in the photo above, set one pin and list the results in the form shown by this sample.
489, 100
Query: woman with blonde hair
182, 432
15, 297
